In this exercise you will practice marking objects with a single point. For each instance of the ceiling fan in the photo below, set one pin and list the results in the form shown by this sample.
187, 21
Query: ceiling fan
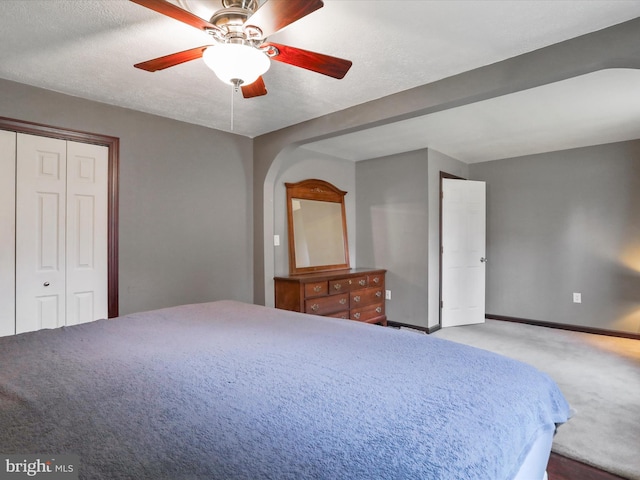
240, 52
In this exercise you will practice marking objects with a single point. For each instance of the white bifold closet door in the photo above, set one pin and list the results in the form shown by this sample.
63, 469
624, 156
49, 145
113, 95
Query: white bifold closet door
61, 233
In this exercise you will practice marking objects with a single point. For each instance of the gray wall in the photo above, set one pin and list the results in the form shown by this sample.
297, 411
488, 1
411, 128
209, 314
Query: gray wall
392, 229
565, 222
185, 199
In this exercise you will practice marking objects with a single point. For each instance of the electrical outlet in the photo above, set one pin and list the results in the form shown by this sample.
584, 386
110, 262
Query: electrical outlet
577, 297
387, 294
276, 240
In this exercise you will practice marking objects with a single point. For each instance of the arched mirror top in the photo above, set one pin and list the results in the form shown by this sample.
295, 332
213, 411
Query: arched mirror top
317, 227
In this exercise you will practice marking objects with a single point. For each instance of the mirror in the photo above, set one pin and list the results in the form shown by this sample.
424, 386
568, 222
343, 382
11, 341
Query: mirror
317, 227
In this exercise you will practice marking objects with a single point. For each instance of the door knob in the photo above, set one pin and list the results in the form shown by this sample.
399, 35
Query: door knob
46, 284
483, 259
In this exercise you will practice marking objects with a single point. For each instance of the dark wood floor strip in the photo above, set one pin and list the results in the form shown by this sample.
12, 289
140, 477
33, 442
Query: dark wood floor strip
563, 468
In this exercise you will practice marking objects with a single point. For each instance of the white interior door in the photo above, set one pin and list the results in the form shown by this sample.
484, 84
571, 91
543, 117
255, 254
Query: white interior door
40, 232
86, 252
7, 232
463, 252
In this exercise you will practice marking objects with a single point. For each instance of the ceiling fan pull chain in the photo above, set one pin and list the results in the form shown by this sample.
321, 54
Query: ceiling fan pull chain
233, 89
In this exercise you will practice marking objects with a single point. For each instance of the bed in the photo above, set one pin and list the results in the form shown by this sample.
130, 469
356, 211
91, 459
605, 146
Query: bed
227, 390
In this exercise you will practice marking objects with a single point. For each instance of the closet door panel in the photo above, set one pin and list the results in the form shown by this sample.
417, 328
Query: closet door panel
87, 170
40, 232
7, 232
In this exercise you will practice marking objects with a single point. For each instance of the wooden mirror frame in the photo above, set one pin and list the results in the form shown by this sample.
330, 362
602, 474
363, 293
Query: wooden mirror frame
318, 190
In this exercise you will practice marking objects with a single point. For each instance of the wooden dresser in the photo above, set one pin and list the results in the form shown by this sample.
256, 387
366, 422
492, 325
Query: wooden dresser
356, 294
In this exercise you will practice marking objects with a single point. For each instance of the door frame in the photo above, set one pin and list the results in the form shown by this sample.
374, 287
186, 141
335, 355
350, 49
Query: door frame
443, 175
113, 177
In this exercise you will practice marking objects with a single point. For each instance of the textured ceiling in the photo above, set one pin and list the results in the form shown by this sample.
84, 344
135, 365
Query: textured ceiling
591, 109
87, 48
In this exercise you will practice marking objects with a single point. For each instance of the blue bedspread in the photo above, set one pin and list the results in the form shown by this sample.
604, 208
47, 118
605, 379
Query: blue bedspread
234, 391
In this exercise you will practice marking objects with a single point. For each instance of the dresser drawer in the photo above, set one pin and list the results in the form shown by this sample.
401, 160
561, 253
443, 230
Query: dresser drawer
366, 314
376, 280
344, 315
359, 282
315, 289
366, 297
347, 284
327, 305
340, 285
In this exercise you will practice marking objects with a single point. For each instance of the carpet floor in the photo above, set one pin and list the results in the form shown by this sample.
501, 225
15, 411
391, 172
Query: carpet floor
599, 375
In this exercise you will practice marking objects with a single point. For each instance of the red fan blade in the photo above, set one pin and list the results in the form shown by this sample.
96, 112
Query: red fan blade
255, 89
175, 12
316, 62
274, 15
171, 60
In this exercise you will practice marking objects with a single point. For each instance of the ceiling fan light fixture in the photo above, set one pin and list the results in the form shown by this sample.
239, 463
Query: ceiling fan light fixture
236, 64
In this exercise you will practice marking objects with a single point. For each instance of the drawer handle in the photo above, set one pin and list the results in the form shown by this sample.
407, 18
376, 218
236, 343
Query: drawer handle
376, 280
356, 298
337, 286
379, 309
378, 294
317, 288
356, 316
362, 282
315, 307
343, 301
